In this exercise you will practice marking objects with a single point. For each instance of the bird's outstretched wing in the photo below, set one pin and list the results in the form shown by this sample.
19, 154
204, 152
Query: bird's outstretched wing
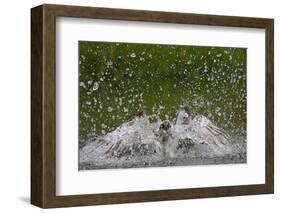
135, 137
199, 127
138, 142
208, 130
132, 148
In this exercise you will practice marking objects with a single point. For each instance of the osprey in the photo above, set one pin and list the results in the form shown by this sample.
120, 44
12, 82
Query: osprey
191, 135
165, 139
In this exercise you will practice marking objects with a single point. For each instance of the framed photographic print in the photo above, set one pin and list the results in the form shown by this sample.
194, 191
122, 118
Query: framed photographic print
136, 106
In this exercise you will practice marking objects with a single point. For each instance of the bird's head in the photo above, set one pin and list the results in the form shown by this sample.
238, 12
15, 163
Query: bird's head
165, 126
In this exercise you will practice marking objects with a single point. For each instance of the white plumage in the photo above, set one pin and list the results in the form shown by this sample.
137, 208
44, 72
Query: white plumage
140, 142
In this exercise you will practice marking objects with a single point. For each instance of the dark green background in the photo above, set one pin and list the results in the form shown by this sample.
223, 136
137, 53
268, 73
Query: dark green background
158, 79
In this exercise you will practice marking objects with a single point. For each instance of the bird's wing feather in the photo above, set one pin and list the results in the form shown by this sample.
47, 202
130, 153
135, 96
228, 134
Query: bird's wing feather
121, 148
208, 130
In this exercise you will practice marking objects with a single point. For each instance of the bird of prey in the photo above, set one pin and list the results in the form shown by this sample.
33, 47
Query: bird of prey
192, 135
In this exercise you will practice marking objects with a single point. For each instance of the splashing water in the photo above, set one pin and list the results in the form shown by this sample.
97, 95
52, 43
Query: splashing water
139, 143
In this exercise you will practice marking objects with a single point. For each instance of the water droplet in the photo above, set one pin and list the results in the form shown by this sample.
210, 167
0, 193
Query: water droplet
82, 84
95, 86
109, 64
133, 55
109, 109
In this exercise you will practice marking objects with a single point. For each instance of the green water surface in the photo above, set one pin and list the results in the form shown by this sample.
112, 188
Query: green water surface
117, 80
